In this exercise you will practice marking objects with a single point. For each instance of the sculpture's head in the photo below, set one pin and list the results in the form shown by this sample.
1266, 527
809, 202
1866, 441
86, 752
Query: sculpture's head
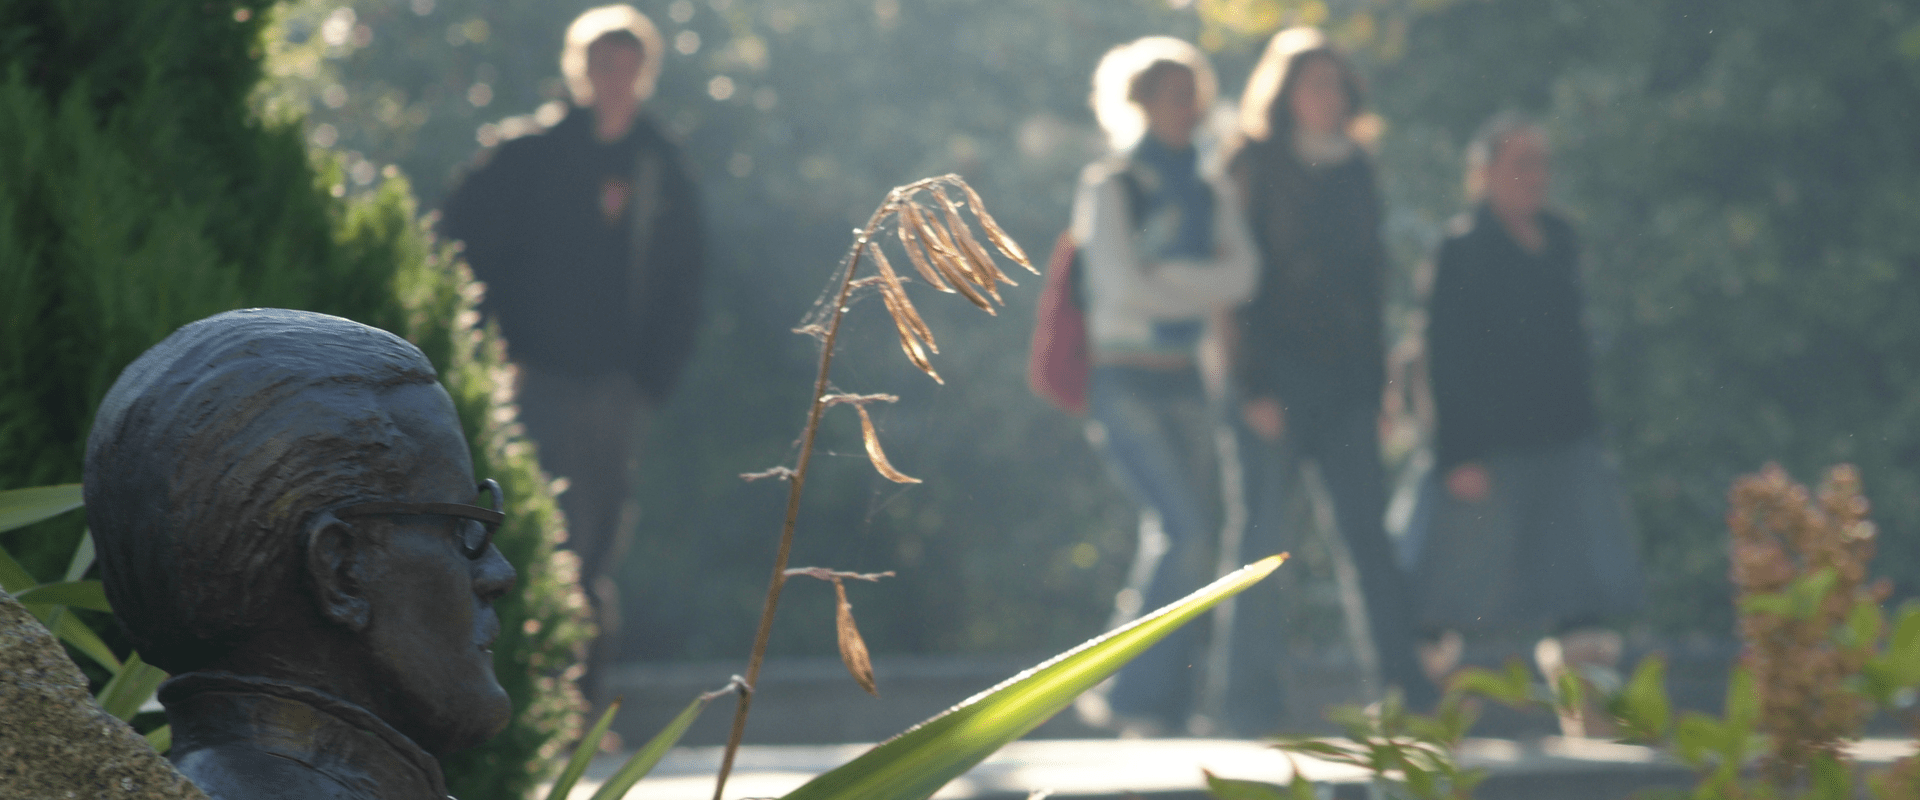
288, 494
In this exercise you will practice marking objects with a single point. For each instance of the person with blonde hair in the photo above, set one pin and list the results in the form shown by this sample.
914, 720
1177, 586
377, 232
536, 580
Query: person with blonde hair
1164, 246
1308, 356
1522, 525
589, 238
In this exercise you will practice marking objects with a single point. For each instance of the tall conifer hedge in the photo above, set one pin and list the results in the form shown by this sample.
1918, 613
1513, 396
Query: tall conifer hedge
140, 191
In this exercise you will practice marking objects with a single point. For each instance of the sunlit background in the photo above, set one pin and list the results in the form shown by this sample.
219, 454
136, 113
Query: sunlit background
1743, 175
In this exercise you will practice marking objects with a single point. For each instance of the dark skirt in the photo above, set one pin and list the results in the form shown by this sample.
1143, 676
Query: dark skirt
1551, 545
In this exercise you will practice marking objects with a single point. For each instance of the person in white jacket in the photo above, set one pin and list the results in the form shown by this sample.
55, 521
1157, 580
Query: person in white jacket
1164, 245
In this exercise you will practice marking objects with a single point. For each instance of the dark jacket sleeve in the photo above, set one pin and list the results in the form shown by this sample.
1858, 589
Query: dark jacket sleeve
675, 267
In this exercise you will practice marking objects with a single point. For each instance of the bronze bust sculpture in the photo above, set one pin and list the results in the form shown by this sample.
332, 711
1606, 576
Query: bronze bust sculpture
286, 518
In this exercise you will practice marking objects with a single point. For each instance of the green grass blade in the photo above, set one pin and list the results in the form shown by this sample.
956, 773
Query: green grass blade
82, 557
74, 632
577, 765
915, 764
643, 760
89, 595
161, 738
130, 687
13, 577
23, 507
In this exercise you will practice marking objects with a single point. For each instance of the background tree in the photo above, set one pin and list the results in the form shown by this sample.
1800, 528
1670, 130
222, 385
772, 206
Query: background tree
141, 190
1741, 173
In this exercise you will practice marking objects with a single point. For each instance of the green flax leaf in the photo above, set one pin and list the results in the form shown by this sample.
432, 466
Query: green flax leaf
130, 687
583, 754
915, 764
74, 632
22, 507
646, 757
89, 595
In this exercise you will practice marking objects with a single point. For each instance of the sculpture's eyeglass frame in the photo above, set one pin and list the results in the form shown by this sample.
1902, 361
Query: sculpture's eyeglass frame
474, 537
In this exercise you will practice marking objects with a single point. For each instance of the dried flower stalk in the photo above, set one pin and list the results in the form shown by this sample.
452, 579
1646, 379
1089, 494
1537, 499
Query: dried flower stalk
945, 252
1781, 535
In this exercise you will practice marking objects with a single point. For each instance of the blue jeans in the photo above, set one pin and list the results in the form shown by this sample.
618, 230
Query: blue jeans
1159, 442
1345, 443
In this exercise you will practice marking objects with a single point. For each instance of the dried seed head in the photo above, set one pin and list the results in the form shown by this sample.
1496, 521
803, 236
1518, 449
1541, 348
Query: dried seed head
1001, 241
983, 265
916, 252
947, 254
944, 261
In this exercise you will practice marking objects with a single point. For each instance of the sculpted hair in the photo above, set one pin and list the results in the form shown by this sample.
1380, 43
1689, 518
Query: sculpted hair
619, 23
212, 452
1266, 109
1130, 70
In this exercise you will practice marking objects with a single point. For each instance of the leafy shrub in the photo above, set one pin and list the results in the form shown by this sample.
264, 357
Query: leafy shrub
140, 191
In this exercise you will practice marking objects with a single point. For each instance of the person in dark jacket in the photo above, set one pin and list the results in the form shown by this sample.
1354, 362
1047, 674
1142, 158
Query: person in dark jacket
1309, 360
1522, 523
588, 236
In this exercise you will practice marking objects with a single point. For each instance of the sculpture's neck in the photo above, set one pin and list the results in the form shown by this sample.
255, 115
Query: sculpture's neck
222, 722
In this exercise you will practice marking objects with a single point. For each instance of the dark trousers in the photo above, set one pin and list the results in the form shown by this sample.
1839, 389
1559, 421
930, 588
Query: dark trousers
1345, 443
585, 429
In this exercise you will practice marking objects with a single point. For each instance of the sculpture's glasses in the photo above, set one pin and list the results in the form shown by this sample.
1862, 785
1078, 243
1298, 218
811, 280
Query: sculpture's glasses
477, 526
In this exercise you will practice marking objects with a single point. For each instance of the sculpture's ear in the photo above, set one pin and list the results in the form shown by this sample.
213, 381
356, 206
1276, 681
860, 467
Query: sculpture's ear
334, 563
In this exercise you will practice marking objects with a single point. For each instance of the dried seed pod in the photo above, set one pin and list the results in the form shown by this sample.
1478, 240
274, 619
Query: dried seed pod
947, 257
943, 261
910, 242
1006, 245
853, 649
874, 453
908, 342
905, 315
963, 238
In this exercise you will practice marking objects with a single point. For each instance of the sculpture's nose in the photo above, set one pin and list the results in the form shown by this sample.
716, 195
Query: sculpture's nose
492, 576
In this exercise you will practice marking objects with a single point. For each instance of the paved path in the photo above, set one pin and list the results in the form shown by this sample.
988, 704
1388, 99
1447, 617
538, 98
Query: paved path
1170, 769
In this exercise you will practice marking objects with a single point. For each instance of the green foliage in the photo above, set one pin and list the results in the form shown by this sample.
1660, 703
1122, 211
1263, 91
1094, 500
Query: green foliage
643, 760
132, 682
1742, 173
140, 190
1405, 752
918, 762
1023, 516
22, 507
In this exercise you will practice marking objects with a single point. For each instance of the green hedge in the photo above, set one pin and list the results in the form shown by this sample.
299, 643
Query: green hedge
140, 191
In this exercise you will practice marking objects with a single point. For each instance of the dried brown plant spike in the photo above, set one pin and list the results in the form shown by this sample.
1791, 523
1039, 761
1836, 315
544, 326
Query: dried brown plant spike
963, 238
874, 453
853, 649
1001, 241
945, 269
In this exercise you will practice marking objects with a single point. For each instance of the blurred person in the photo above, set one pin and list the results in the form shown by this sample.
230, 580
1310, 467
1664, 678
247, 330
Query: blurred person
589, 238
1308, 357
1165, 246
1522, 522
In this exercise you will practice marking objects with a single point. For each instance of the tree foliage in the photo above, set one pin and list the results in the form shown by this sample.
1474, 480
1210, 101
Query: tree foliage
1740, 173
1743, 175
141, 190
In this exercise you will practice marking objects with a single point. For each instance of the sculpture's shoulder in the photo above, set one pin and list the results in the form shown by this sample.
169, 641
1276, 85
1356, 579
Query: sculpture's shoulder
238, 772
